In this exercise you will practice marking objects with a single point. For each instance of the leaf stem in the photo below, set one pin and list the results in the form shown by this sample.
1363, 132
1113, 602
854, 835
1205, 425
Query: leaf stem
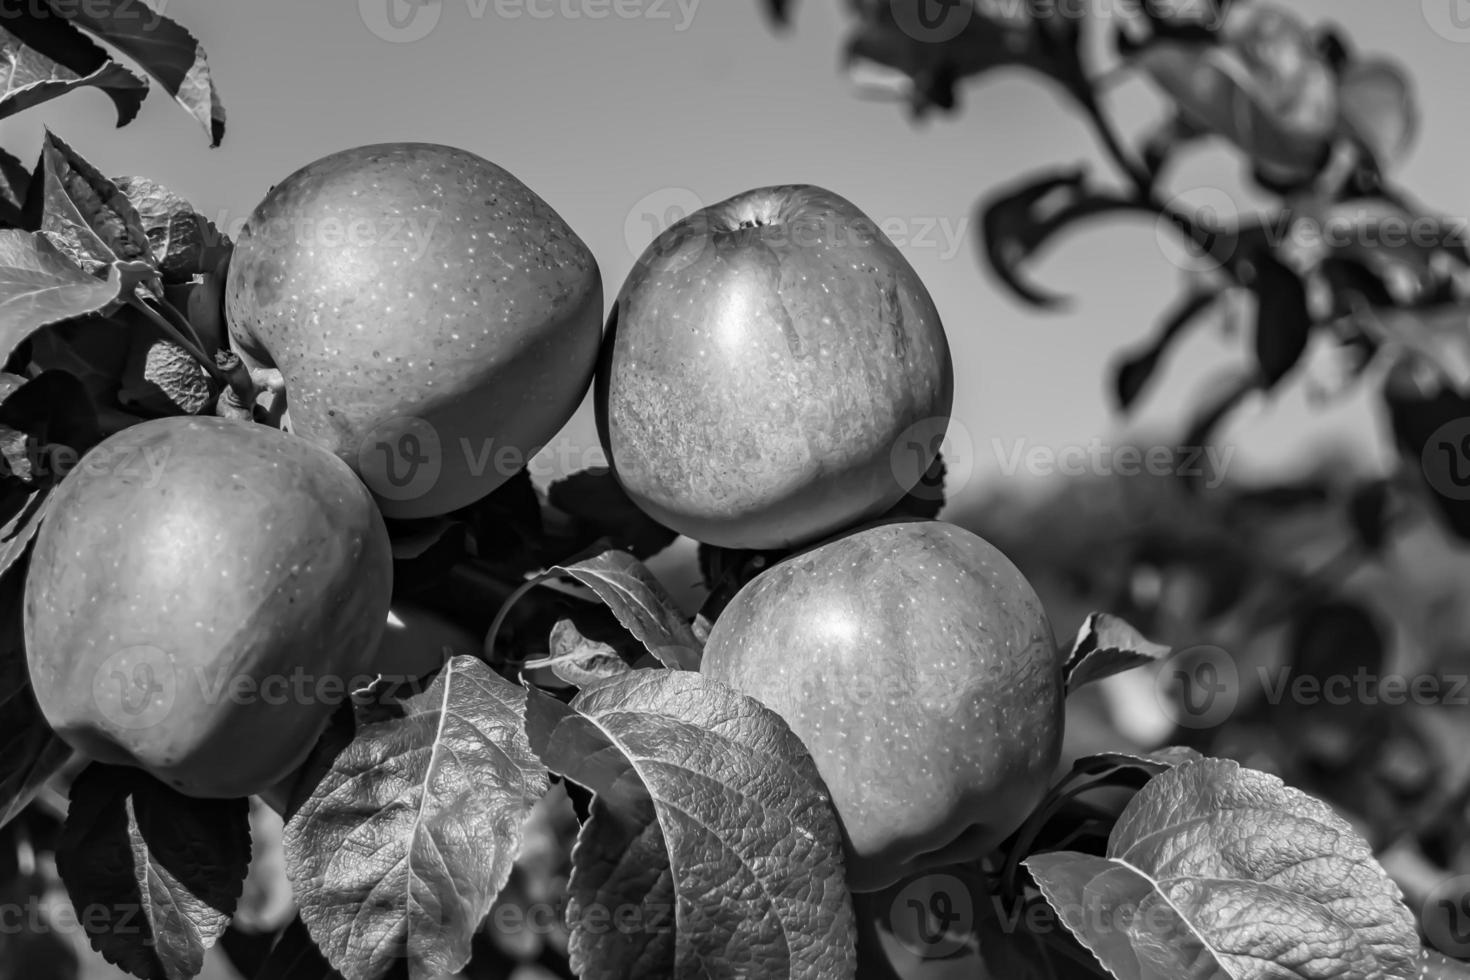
195, 350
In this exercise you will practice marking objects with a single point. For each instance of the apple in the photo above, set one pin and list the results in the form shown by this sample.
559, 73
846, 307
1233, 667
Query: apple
434, 321
201, 593
773, 371
917, 665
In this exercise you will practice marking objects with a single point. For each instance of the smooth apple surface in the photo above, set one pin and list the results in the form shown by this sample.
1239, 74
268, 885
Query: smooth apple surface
434, 320
201, 594
918, 666
773, 371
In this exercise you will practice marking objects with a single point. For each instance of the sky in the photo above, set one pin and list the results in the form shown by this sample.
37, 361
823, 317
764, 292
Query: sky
622, 119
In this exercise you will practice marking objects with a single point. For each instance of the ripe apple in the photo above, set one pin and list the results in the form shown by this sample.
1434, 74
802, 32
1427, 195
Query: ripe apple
200, 594
435, 322
917, 664
773, 371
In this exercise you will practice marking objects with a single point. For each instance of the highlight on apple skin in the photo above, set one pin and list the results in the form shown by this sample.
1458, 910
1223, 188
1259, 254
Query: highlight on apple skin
773, 371
200, 584
433, 319
918, 666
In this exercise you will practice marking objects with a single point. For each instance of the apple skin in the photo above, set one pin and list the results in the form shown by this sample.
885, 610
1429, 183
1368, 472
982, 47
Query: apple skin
918, 666
409, 290
766, 362
204, 557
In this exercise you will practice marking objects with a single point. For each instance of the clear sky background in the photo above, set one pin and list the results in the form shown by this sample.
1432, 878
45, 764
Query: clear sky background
614, 120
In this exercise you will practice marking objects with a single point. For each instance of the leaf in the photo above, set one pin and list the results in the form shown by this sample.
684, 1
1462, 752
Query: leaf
161, 378
780, 12
1433, 438
55, 414
710, 820
45, 57
15, 183
1336, 638
1438, 337
577, 660
85, 215
1369, 514
1132, 374
1015, 223
296, 957
1209, 418
184, 242
596, 500
1378, 107
641, 604
39, 287
154, 875
1216, 870
1283, 321
1106, 645
933, 54
403, 845
29, 751
21, 510
164, 50
1266, 89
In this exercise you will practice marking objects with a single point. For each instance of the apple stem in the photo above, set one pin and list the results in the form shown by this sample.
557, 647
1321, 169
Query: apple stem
237, 401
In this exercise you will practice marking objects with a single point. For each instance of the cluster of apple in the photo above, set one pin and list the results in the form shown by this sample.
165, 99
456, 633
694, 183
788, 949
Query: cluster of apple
773, 373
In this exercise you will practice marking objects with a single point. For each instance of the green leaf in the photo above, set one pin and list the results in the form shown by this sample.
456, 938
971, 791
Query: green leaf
45, 57
641, 604
1283, 320
164, 50
1106, 645
1133, 372
165, 870
85, 215
579, 660
710, 825
1214, 869
15, 185
296, 957
184, 242
1017, 222
596, 500
39, 286
30, 752
1379, 108
429, 806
